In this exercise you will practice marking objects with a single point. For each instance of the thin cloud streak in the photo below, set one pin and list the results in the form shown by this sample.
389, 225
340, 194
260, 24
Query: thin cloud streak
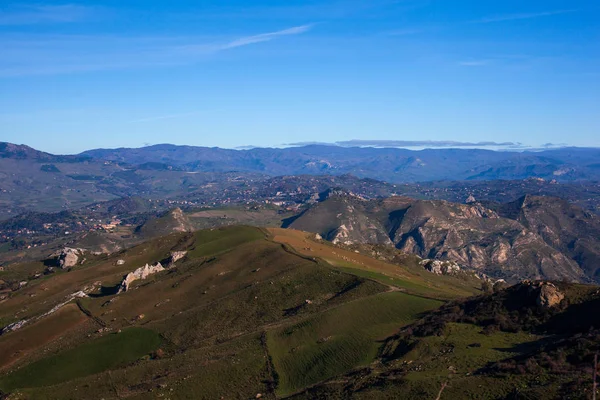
265, 37
514, 17
474, 63
44, 14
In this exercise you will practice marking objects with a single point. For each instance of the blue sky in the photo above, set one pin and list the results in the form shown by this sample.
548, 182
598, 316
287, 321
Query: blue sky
75, 76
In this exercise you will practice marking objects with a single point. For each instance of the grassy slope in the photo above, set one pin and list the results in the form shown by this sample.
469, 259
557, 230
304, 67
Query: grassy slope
29, 340
338, 340
90, 358
215, 241
407, 278
455, 357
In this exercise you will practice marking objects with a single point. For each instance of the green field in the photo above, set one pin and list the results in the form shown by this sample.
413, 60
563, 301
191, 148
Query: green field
211, 242
340, 339
107, 352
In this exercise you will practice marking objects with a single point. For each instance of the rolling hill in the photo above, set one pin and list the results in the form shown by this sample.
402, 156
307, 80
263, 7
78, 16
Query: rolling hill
232, 308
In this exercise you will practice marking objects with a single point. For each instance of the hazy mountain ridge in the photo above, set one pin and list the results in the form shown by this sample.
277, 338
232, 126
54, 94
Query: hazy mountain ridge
389, 164
42, 182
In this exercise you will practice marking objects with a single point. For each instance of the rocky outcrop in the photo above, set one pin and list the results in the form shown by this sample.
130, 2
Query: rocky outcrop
176, 256
13, 327
139, 274
68, 257
549, 295
439, 267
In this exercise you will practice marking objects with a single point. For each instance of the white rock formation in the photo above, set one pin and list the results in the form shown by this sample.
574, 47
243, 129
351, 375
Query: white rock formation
140, 274
440, 267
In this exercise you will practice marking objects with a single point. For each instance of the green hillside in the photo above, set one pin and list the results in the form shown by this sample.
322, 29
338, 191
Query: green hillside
250, 312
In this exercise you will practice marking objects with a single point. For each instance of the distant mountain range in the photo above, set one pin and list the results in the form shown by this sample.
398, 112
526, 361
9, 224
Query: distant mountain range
31, 180
387, 164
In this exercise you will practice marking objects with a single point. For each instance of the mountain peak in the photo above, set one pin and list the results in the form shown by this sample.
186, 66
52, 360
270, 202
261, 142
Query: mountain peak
20, 151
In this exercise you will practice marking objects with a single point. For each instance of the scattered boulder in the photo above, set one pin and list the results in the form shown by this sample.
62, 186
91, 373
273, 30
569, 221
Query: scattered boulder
120, 262
139, 274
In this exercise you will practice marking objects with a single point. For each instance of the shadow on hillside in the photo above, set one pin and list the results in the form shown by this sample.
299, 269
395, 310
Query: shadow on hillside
527, 348
106, 291
289, 221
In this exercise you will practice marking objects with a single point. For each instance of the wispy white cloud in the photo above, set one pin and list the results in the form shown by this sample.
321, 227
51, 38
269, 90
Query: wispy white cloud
58, 54
513, 17
265, 37
44, 14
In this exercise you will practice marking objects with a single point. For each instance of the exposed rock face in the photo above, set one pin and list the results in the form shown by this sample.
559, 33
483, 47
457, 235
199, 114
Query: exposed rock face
341, 219
568, 228
68, 257
341, 235
140, 274
549, 295
440, 267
